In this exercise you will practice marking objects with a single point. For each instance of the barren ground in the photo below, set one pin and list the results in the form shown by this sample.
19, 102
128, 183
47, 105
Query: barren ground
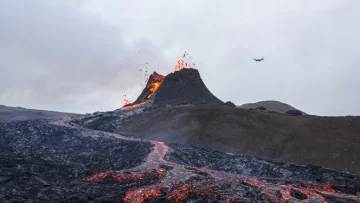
332, 142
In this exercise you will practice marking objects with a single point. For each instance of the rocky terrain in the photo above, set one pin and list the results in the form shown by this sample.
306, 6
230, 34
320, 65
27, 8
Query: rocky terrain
179, 143
332, 142
40, 162
63, 162
18, 113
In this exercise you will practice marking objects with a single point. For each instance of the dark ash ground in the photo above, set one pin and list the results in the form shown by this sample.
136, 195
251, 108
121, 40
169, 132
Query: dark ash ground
42, 162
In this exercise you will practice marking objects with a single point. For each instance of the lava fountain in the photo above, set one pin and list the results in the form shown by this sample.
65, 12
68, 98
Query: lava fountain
154, 82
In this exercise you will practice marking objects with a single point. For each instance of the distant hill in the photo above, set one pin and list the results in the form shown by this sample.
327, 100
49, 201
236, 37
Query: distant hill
270, 105
8, 113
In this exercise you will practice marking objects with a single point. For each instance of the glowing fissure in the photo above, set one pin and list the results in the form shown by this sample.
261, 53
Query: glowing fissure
178, 181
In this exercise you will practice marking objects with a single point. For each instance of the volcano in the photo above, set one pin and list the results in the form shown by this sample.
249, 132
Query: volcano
142, 153
182, 87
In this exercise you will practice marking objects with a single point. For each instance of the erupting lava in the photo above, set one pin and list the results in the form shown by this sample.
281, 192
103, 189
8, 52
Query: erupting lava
126, 101
152, 85
184, 62
155, 80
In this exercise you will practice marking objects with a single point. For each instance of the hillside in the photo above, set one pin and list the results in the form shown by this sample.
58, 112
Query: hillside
270, 105
18, 114
332, 142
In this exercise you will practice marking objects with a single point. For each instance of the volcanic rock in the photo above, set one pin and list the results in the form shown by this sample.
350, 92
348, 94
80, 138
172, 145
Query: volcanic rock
260, 108
332, 142
184, 87
229, 103
294, 112
41, 162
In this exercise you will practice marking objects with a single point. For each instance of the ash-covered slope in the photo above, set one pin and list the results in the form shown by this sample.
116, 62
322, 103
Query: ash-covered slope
272, 106
184, 87
18, 113
332, 142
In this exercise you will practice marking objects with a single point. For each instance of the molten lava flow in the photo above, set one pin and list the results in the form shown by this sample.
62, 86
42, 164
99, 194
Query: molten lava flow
176, 182
178, 193
98, 177
131, 106
152, 85
179, 181
133, 197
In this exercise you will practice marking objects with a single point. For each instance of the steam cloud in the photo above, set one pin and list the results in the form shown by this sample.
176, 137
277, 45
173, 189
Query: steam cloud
53, 56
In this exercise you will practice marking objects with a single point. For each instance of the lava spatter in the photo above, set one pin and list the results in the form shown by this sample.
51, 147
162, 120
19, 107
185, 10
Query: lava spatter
154, 82
184, 62
157, 177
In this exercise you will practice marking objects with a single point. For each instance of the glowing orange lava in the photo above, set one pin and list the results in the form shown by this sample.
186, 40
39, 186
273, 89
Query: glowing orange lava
133, 196
179, 193
181, 181
152, 86
97, 177
184, 62
131, 106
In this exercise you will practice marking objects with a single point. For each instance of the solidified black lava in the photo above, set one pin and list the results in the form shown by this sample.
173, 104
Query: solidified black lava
102, 121
298, 195
255, 167
40, 162
184, 87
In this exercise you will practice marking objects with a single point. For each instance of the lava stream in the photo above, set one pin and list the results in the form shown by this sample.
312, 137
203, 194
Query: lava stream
179, 181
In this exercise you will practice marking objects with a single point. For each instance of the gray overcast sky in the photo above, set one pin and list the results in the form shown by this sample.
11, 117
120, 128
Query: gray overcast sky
82, 56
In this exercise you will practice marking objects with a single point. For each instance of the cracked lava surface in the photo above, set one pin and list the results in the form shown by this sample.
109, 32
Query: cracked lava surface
174, 182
